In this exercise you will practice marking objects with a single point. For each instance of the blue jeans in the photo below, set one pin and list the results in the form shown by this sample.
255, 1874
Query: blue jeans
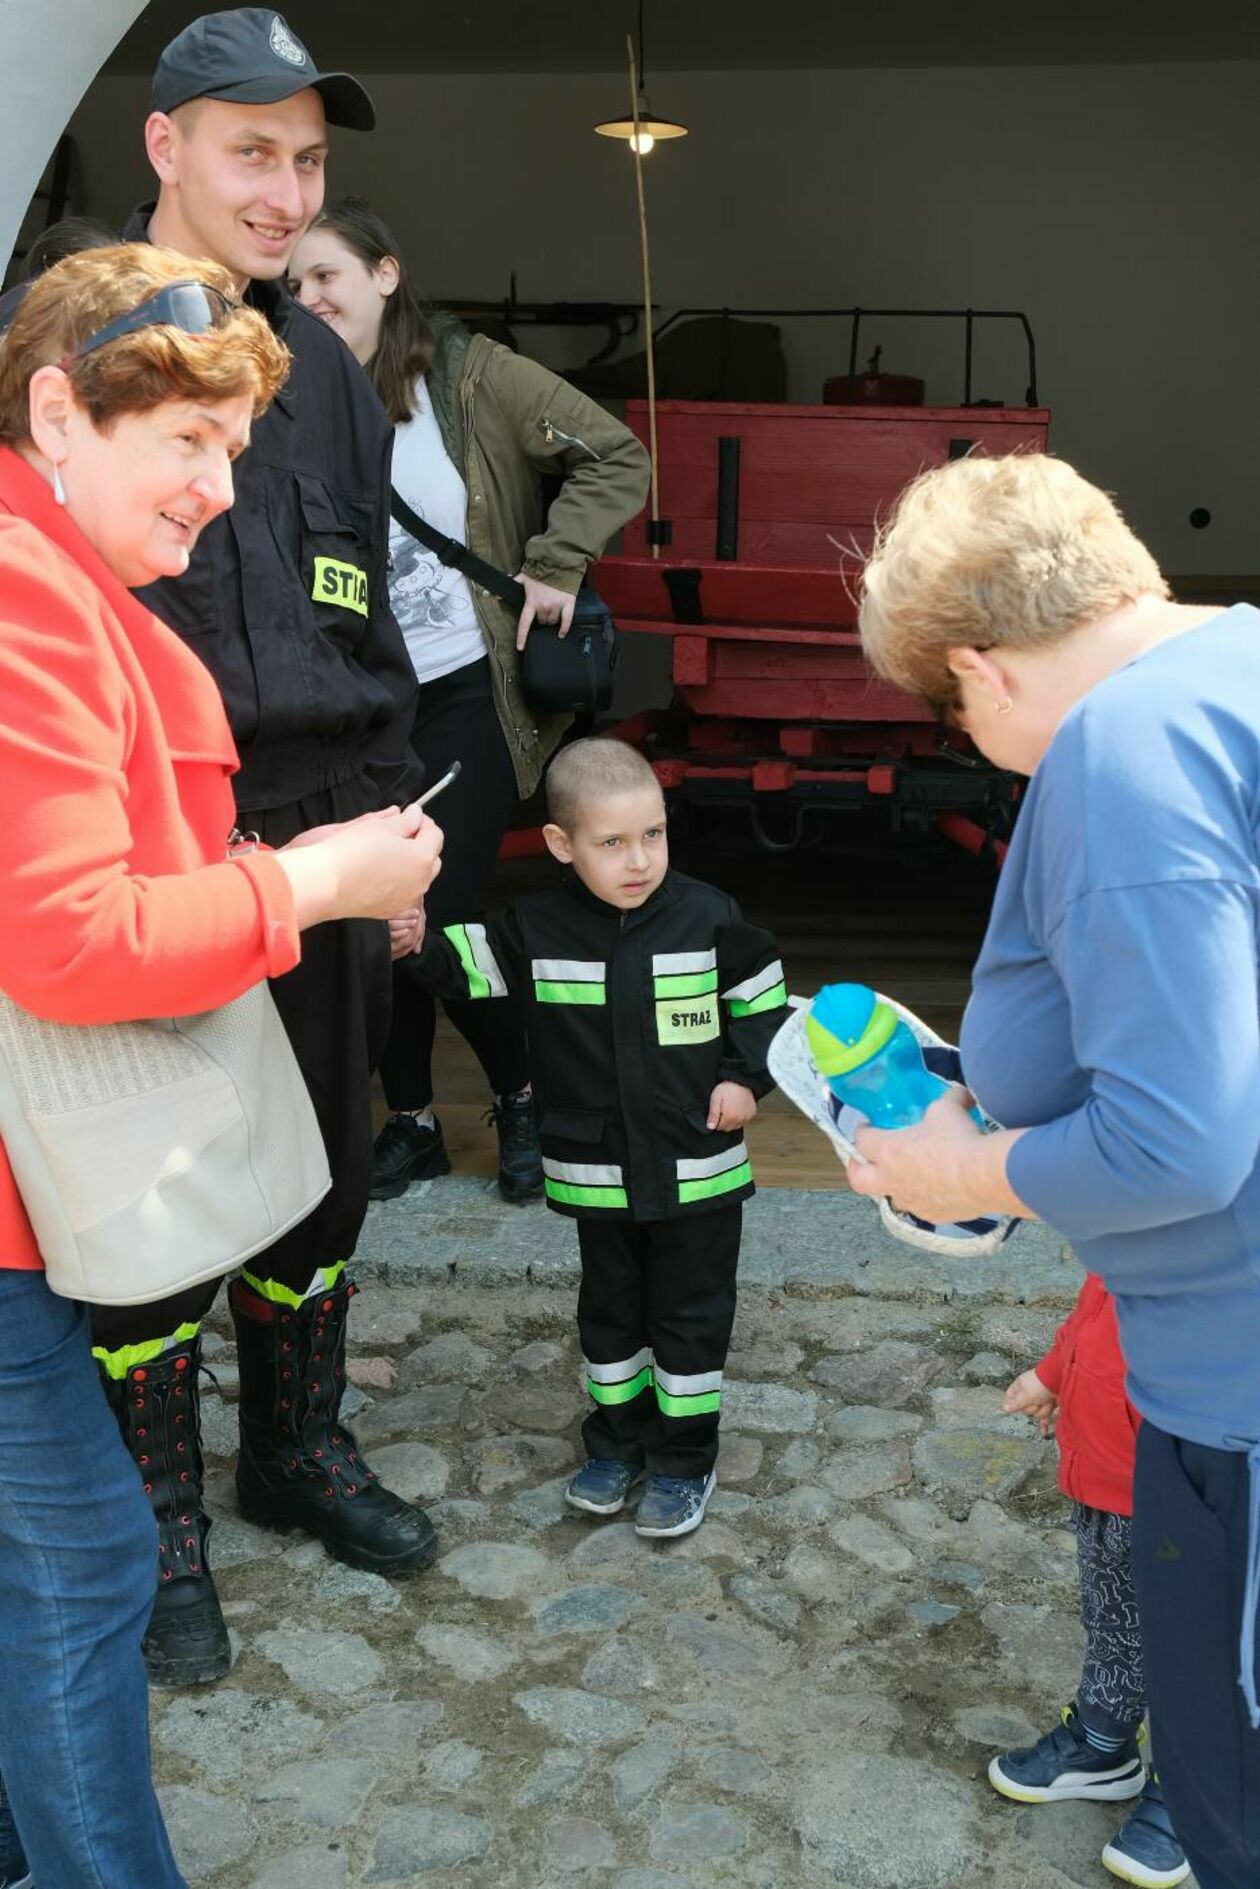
77, 1566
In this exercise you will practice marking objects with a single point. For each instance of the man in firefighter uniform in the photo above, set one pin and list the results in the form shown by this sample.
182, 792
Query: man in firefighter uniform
286, 602
650, 1008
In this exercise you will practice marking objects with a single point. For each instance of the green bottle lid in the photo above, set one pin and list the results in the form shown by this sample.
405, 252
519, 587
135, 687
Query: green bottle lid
846, 1027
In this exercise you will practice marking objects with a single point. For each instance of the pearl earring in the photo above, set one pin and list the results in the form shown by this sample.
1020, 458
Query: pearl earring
59, 490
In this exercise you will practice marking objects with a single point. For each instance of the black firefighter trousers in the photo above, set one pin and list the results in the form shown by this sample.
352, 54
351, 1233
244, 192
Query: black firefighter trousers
655, 1311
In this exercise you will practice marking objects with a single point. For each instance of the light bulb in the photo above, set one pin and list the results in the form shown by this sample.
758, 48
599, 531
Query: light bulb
642, 143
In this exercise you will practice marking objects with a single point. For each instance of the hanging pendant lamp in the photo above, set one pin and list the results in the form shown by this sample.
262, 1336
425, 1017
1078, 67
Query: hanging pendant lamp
645, 129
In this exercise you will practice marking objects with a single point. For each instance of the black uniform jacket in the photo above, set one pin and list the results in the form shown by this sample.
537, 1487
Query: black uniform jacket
633, 1018
286, 599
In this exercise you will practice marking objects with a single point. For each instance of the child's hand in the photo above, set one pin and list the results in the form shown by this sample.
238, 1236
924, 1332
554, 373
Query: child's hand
1028, 1397
731, 1105
405, 932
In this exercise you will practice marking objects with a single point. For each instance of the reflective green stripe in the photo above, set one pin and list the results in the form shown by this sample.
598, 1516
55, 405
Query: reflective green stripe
116, 1364
768, 1000
624, 1392
695, 984
716, 1184
324, 1281
548, 993
478, 985
671, 1406
573, 1196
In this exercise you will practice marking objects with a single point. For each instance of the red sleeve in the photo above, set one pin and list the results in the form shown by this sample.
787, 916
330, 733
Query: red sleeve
85, 939
1053, 1365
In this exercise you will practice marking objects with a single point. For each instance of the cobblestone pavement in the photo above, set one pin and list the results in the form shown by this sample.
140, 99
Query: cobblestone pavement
805, 1692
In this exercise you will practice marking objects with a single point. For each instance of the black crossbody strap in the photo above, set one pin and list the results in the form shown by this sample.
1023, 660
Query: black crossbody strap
456, 556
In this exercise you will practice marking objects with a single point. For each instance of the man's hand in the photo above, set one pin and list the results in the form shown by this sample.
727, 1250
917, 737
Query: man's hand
731, 1105
406, 932
1028, 1397
543, 604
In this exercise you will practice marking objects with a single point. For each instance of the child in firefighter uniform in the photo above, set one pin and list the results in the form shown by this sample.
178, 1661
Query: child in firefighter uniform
650, 1006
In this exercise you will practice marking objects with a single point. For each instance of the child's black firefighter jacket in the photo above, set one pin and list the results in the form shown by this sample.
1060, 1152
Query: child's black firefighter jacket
633, 1018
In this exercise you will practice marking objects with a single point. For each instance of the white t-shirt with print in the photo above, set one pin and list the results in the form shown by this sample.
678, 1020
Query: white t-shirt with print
432, 603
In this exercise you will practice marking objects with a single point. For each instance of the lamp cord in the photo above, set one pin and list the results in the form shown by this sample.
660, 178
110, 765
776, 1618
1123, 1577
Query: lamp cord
635, 82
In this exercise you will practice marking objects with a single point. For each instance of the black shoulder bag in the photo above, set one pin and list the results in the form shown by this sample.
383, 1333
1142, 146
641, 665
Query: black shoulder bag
571, 674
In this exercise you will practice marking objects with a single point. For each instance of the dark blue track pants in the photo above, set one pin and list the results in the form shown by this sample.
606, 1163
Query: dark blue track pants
1189, 1565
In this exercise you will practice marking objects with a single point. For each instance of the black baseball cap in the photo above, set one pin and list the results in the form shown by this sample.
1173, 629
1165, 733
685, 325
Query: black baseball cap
252, 55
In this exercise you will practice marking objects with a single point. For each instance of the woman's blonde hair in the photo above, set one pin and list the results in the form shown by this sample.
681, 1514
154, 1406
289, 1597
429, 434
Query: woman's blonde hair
1009, 553
139, 371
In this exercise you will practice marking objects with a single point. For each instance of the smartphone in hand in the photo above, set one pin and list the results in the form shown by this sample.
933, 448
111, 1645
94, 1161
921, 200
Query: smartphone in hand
431, 793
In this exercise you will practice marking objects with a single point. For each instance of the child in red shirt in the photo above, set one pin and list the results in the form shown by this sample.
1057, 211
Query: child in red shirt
1094, 1752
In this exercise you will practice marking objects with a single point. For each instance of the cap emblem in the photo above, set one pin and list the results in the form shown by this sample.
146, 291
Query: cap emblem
284, 45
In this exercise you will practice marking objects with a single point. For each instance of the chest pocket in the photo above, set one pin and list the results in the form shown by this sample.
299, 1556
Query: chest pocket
685, 997
334, 558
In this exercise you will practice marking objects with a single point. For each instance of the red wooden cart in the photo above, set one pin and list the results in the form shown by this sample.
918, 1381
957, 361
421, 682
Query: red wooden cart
770, 510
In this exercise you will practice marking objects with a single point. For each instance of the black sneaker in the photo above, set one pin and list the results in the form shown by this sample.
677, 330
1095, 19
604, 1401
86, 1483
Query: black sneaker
1064, 1764
1145, 1849
405, 1151
520, 1163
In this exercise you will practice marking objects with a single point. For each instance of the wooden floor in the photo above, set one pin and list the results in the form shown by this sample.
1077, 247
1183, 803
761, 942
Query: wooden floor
908, 921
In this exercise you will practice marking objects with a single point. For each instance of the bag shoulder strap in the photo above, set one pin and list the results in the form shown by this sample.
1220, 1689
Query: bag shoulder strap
456, 556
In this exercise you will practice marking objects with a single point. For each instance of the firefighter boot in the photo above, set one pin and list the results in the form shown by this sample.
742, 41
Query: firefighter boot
520, 1160
158, 1410
299, 1466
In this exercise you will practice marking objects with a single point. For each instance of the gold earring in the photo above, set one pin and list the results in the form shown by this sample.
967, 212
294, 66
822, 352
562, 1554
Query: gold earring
1005, 706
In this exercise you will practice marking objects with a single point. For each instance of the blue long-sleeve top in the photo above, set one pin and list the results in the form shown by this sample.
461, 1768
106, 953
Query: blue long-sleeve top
1115, 1014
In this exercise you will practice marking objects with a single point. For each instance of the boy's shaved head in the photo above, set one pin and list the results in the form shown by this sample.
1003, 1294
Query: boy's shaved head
593, 769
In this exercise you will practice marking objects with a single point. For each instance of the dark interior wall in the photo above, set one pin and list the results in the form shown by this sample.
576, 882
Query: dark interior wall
1114, 203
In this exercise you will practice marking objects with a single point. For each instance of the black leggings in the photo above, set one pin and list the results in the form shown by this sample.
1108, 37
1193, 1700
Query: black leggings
456, 721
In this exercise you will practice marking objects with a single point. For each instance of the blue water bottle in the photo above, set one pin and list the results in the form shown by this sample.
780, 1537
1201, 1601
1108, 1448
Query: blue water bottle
871, 1059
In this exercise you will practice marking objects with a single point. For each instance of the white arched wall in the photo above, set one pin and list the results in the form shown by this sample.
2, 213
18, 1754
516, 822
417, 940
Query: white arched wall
50, 52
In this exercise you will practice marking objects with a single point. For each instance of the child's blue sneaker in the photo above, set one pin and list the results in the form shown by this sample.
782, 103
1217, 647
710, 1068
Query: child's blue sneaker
673, 1505
1145, 1849
602, 1485
1064, 1764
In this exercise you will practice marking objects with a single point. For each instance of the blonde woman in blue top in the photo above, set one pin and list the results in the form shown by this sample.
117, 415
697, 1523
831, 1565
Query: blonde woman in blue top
1115, 1023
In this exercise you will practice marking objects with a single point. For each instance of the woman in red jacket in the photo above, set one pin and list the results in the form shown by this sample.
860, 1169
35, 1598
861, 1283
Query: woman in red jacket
128, 382
1095, 1751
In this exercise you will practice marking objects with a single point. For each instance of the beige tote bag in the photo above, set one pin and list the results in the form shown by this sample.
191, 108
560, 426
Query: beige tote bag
152, 1156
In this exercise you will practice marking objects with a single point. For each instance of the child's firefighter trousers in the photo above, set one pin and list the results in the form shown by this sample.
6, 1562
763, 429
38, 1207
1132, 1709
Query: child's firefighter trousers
655, 1311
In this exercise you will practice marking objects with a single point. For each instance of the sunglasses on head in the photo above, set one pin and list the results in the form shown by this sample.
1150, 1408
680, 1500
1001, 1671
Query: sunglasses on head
193, 307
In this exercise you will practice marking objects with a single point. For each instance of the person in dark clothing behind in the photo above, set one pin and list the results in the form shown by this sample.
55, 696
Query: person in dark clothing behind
288, 607
51, 246
66, 238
